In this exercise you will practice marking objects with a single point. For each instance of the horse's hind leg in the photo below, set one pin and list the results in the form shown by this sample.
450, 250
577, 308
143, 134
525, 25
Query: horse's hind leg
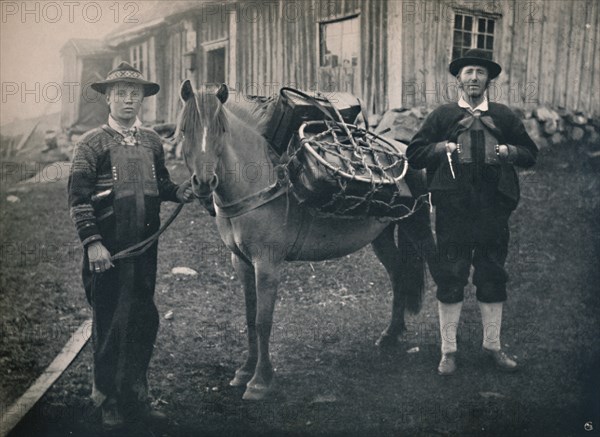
267, 279
387, 252
405, 264
245, 270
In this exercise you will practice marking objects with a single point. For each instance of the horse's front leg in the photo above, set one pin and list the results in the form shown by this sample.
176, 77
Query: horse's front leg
387, 252
267, 279
245, 271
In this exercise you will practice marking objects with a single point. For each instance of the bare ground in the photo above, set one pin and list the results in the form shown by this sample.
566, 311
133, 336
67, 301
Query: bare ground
331, 379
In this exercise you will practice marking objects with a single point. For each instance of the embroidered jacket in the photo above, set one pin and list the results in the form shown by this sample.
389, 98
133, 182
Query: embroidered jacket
91, 175
427, 149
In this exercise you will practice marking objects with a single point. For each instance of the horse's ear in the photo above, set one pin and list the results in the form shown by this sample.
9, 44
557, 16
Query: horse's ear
223, 93
186, 91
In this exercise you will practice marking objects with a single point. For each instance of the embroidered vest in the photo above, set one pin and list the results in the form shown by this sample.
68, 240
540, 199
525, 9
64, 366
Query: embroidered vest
477, 143
133, 172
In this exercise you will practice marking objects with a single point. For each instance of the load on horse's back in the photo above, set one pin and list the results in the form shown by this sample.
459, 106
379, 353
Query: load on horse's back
264, 225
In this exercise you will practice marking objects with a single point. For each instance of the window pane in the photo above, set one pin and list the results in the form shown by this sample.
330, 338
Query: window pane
481, 27
490, 26
468, 23
340, 42
456, 53
467, 39
457, 38
458, 21
489, 44
480, 41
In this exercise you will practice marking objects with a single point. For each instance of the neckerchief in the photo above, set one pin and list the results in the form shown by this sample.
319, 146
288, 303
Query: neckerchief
477, 112
129, 134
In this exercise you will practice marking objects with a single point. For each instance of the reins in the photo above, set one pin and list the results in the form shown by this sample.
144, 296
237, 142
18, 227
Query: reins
141, 247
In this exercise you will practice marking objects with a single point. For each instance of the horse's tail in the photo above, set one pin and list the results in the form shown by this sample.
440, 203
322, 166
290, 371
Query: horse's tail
415, 241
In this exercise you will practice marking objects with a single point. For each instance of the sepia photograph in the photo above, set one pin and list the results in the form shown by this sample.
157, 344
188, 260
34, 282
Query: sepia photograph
300, 218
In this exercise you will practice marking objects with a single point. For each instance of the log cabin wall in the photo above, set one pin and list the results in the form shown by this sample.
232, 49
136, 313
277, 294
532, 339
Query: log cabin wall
548, 51
278, 44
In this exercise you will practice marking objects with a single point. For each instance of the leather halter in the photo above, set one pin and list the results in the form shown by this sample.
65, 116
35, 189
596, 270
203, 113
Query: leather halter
251, 202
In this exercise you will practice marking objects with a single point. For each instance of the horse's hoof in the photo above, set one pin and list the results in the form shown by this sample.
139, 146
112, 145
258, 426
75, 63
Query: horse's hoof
386, 341
257, 392
241, 378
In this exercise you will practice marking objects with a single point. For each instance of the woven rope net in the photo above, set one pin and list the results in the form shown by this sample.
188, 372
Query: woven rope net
363, 172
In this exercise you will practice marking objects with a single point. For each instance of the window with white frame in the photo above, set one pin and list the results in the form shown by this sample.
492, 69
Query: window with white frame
472, 31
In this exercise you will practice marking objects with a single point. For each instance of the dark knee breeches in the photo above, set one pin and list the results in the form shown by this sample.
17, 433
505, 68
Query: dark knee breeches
468, 234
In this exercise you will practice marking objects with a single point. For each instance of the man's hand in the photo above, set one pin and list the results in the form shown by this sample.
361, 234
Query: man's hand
99, 257
451, 147
502, 151
184, 192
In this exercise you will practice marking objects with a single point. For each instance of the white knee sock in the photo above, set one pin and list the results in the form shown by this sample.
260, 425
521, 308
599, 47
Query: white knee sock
491, 318
449, 314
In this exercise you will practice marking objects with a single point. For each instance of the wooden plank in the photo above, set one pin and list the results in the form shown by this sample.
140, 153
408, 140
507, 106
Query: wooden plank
518, 77
575, 54
267, 55
287, 37
26, 137
587, 56
243, 40
312, 50
296, 53
595, 93
370, 79
262, 53
374, 6
525, 26
394, 55
408, 70
280, 61
505, 55
549, 52
562, 53
301, 51
11, 417
381, 77
444, 28
534, 53
419, 55
426, 25
232, 52
254, 55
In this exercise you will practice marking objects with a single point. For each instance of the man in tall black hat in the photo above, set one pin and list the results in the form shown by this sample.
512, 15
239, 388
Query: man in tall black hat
470, 149
117, 182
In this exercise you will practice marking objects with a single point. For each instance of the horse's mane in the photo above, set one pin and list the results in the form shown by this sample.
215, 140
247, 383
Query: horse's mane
254, 111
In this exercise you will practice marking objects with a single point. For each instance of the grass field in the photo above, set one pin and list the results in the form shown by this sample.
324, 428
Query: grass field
331, 379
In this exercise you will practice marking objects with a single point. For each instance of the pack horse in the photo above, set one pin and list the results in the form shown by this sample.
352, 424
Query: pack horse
256, 216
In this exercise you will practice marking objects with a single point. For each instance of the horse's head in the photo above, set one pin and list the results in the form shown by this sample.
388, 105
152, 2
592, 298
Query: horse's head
201, 129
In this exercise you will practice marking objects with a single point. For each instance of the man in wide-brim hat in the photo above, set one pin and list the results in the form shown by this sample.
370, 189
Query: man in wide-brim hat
470, 149
117, 182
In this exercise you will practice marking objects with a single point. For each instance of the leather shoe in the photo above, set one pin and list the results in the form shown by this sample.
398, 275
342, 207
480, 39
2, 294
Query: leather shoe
502, 360
150, 414
447, 364
111, 415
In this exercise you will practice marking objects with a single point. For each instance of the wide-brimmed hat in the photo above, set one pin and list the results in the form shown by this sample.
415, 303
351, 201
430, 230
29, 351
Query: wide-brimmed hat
476, 57
126, 73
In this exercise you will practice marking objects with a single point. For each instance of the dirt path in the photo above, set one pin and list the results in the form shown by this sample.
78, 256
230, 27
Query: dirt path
330, 377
